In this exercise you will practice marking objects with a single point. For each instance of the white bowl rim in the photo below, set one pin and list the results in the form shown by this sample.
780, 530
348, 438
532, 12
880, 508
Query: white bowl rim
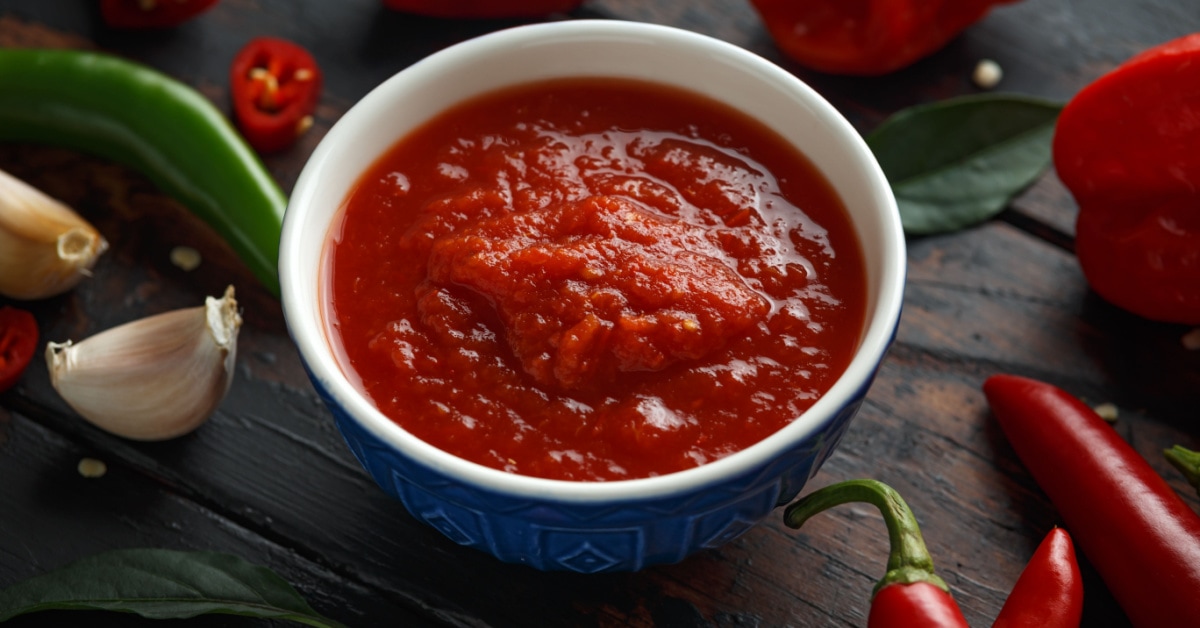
303, 316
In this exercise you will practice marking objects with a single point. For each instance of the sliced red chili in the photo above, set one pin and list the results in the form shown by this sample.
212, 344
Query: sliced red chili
1126, 148
151, 13
910, 593
275, 86
18, 340
1049, 593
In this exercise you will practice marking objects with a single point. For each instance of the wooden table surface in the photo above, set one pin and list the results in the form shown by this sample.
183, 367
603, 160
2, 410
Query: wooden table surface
269, 478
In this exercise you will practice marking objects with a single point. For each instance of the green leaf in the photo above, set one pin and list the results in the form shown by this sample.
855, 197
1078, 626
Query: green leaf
958, 162
162, 584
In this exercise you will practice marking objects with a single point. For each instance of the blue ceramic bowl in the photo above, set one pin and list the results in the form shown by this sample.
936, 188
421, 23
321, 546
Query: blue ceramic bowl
590, 526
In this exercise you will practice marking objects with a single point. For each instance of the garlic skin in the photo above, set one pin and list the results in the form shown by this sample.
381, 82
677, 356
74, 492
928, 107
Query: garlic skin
45, 247
154, 378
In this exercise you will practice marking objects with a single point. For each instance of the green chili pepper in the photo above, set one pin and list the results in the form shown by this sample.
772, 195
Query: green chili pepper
141, 118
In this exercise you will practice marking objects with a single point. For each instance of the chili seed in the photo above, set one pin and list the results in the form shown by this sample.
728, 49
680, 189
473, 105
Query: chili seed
987, 74
303, 125
92, 468
185, 257
1107, 411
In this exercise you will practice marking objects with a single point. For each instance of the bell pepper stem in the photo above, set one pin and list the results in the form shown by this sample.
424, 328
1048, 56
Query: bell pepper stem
1187, 462
909, 560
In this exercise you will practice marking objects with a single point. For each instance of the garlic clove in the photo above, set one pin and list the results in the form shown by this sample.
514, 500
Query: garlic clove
154, 378
45, 247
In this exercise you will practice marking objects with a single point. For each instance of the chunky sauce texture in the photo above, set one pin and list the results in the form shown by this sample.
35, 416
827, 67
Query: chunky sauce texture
594, 280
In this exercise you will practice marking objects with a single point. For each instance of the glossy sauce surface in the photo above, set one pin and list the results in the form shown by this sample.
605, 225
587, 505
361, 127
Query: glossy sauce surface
594, 280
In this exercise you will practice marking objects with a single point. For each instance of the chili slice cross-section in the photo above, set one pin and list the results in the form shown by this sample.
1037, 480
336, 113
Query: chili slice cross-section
275, 85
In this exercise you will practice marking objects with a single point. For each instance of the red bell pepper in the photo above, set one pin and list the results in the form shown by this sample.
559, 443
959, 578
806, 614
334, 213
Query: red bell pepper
18, 341
1049, 593
1138, 533
910, 595
151, 13
275, 86
866, 37
482, 8
1126, 148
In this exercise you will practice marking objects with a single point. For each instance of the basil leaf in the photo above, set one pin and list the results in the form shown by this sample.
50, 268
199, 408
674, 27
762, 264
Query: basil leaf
161, 584
958, 162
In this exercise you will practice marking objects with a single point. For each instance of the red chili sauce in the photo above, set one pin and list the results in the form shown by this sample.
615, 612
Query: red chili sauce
594, 280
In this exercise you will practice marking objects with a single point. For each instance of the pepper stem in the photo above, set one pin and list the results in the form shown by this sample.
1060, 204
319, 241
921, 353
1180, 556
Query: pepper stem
909, 560
1188, 463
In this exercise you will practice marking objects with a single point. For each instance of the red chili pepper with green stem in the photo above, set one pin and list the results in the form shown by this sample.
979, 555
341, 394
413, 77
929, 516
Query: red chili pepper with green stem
275, 85
1138, 533
1049, 592
910, 595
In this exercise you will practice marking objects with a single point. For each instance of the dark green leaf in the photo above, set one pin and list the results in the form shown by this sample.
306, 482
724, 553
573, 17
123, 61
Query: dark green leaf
161, 584
958, 162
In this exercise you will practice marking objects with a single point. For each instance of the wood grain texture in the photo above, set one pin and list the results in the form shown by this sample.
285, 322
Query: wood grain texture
269, 478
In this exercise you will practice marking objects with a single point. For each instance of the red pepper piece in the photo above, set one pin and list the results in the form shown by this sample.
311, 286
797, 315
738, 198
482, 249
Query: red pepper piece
151, 13
1049, 593
482, 8
866, 37
910, 594
275, 86
1126, 148
1140, 535
18, 340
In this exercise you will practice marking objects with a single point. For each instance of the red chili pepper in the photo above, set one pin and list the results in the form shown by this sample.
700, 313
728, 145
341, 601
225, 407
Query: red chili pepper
151, 13
1049, 593
866, 37
1126, 148
910, 595
275, 86
1140, 535
482, 8
18, 340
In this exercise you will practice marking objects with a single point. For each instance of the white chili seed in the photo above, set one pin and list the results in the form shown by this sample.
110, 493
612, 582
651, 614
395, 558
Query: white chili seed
92, 468
1107, 411
185, 257
987, 74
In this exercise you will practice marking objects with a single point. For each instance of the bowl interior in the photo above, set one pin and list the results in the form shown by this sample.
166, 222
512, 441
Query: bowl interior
578, 49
